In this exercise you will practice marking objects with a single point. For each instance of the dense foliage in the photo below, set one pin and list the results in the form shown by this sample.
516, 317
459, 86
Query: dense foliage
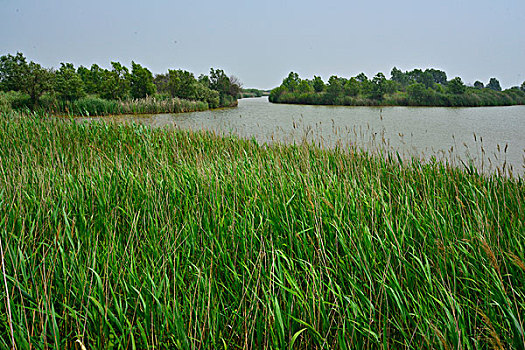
129, 237
28, 85
412, 88
217, 89
247, 93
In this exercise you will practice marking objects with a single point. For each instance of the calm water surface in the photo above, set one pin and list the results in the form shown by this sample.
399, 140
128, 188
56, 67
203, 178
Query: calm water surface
459, 134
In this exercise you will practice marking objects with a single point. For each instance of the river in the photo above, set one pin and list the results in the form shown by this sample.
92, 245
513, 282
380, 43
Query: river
491, 137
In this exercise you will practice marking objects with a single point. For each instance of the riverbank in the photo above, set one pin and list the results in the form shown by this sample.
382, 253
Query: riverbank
128, 235
429, 88
471, 98
95, 106
27, 86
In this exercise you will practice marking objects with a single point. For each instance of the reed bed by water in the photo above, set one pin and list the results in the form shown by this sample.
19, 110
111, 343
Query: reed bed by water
131, 237
96, 106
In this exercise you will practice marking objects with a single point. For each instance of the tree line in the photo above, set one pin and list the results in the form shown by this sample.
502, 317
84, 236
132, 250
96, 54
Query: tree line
429, 87
26, 84
247, 93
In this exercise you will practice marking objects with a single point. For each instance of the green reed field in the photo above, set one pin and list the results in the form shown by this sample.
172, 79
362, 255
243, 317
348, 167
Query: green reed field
121, 236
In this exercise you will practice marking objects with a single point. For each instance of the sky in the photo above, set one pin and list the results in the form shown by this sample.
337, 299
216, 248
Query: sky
261, 42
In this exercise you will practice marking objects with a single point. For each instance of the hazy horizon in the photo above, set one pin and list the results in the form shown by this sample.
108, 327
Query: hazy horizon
261, 42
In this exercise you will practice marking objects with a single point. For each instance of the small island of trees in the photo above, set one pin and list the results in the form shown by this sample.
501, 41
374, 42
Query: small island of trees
410, 88
26, 85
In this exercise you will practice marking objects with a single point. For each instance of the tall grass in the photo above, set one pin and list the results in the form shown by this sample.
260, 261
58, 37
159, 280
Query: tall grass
14, 100
130, 237
472, 98
96, 106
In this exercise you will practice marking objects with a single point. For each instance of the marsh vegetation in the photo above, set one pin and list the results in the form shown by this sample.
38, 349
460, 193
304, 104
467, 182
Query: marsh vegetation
132, 237
411, 88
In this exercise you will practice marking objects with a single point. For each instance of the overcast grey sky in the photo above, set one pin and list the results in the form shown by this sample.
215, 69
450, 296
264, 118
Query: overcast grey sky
261, 42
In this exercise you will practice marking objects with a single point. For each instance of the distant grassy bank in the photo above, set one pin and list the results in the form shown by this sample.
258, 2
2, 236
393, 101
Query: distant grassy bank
126, 236
415, 88
95, 106
472, 98
249, 93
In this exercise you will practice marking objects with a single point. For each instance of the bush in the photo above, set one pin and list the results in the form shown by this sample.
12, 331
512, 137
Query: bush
228, 101
5, 104
275, 94
14, 100
96, 106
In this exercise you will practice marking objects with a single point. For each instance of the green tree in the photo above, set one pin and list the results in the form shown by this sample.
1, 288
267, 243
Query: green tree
318, 84
235, 86
291, 82
203, 93
367, 88
334, 89
68, 84
438, 76
305, 87
85, 76
141, 81
181, 84
522, 87
122, 79
414, 76
398, 76
109, 86
361, 77
377, 88
276, 93
439, 88
418, 93
390, 87
352, 87
227, 89
219, 81
204, 80
494, 84
161, 82
426, 79
456, 86
115, 83
13, 72
478, 85
92, 78
16, 74
38, 81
